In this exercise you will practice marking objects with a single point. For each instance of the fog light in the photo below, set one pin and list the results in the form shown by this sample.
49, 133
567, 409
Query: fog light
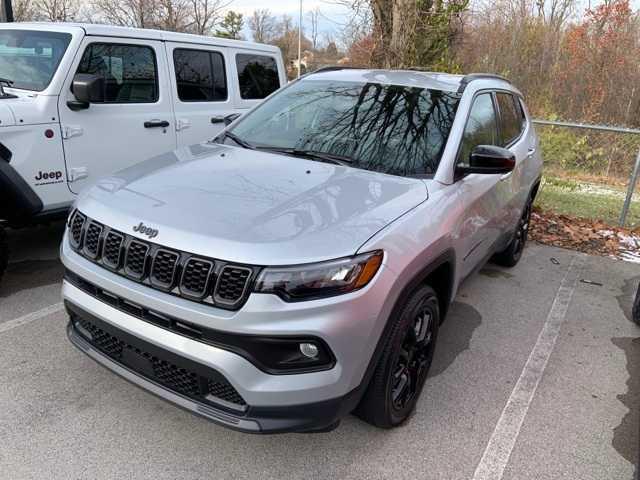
309, 350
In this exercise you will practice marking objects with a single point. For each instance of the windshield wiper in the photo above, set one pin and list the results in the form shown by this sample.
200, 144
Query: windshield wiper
238, 140
312, 155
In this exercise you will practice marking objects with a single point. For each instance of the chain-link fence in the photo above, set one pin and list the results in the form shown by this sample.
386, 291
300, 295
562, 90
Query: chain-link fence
590, 171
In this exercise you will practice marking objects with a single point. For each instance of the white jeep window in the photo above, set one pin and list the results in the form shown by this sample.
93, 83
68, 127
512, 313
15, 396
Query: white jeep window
257, 76
29, 59
129, 71
481, 128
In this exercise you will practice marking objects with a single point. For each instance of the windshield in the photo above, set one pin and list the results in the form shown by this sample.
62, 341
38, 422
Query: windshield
386, 128
30, 58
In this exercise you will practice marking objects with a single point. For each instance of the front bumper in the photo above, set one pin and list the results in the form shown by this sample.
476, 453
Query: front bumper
317, 416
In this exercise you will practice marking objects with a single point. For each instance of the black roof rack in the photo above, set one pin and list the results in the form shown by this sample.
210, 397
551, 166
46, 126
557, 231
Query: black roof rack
467, 79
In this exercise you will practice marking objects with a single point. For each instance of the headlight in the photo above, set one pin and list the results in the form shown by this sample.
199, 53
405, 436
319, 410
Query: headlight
317, 280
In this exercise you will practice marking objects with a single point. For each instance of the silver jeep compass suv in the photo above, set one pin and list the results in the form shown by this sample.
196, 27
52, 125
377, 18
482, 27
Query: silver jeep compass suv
297, 267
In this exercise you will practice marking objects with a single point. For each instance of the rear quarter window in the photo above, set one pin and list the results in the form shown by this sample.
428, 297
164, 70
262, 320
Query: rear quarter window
511, 118
257, 76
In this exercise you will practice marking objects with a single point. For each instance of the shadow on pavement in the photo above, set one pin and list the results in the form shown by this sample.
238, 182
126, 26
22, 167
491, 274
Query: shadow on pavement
33, 258
454, 336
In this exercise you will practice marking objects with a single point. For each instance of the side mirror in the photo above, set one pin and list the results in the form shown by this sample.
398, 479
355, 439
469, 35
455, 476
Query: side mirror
226, 119
87, 89
489, 160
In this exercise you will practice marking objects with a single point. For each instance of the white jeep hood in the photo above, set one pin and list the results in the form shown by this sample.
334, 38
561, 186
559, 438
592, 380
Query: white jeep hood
251, 207
28, 109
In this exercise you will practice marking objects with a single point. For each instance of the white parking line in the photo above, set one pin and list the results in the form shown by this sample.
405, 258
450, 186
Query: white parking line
30, 317
496, 455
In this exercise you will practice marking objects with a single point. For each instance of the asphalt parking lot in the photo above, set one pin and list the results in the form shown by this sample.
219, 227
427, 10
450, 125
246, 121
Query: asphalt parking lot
536, 376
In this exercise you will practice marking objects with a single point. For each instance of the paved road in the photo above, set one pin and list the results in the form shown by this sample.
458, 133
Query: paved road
491, 408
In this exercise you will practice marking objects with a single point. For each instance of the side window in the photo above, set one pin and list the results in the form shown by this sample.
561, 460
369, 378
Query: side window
200, 75
510, 118
481, 128
257, 75
129, 71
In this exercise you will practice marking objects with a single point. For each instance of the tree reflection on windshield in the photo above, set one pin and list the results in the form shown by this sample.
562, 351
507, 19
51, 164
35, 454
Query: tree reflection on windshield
387, 128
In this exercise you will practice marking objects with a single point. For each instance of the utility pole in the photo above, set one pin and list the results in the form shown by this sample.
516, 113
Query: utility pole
300, 42
6, 13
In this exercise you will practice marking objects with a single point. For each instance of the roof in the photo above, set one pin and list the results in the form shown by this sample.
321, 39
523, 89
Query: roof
410, 78
145, 34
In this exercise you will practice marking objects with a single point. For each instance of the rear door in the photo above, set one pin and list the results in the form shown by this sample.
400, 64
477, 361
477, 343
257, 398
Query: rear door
200, 85
512, 188
136, 120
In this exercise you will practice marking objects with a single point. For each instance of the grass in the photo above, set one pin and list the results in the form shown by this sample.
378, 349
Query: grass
586, 200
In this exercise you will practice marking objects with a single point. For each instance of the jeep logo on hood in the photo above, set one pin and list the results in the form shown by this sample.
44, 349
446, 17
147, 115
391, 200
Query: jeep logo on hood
144, 230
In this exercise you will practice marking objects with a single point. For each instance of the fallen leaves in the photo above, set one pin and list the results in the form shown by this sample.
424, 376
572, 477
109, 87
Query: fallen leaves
588, 236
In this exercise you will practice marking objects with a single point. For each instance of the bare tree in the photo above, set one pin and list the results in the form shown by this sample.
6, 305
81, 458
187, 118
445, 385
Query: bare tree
172, 15
23, 11
128, 13
205, 14
54, 10
262, 25
314, 17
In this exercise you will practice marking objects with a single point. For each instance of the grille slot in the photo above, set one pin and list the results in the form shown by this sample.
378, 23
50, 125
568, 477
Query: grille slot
232, 284
179, 378
112, 250
163, 269
195, 277
76, 229
135, 259
92, 239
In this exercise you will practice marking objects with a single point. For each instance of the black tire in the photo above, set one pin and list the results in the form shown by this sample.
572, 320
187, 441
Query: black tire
510, 256
4, 251
402, 370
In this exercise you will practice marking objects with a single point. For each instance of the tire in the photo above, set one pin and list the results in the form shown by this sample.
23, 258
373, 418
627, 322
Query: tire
510, 256
4, 251
402, 370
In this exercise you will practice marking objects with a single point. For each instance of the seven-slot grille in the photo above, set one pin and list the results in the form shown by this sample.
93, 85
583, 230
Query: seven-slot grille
200, 279
179, 378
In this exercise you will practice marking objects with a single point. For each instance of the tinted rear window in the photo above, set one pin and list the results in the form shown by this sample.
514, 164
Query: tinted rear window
200, 75
510, 118
257, 75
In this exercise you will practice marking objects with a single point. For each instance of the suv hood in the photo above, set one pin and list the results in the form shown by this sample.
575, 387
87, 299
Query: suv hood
251, 207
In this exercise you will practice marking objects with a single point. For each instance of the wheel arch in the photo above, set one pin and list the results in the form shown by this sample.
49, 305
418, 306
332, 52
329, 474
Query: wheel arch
439, 273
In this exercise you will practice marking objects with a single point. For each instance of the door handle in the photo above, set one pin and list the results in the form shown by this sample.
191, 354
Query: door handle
531, 151
156, 124
220, 119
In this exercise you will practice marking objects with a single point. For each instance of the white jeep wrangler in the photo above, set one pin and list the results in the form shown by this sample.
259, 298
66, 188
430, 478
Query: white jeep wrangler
78, 102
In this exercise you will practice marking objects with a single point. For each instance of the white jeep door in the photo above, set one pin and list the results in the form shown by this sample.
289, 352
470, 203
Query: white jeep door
200, 85
136, 120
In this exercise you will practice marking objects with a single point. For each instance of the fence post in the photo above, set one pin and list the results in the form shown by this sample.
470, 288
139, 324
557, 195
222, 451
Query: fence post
630, 189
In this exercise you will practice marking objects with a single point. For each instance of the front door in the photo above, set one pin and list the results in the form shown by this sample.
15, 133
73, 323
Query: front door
481, 195
136, 120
